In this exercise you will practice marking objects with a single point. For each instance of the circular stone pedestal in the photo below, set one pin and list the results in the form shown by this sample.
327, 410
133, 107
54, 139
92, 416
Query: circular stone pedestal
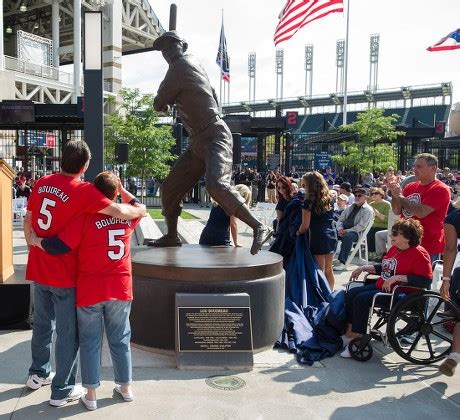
160, 273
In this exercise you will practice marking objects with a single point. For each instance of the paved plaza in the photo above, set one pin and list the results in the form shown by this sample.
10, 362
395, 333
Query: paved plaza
277, 387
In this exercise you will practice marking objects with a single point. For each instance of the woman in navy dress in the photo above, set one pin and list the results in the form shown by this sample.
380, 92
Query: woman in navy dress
220, 225
317, 216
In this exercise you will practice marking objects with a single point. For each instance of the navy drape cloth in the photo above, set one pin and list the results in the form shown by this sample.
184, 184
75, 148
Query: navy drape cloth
314, 317
286, 231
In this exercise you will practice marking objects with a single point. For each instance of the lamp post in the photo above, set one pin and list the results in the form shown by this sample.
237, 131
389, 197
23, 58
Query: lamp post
94, 101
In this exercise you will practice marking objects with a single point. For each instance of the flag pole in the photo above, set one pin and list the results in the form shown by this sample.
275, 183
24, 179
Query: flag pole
221, 49
345, 73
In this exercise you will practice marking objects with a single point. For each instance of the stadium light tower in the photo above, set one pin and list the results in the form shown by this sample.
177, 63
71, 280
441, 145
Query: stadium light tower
308, 71
340, 64
279, 66
374, 62
252, 76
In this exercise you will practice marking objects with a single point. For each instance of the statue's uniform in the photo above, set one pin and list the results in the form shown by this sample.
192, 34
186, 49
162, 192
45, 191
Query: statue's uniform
187, 85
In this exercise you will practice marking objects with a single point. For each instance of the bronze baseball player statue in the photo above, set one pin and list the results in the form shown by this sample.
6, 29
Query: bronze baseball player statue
186, 85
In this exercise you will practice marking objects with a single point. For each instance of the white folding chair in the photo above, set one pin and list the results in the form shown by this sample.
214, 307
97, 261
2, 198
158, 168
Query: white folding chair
265, 213
360, 247
19, 209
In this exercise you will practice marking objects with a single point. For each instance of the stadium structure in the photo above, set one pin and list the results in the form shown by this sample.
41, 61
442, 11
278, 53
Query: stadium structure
313, 137
39, 41
40, 104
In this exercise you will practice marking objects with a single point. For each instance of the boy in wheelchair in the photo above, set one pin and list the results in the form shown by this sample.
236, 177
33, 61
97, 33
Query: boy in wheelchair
406, 263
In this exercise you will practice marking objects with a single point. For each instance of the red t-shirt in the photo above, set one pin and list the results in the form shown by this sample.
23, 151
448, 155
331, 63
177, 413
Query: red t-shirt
54, 202
436, 194
102, 244
414, 260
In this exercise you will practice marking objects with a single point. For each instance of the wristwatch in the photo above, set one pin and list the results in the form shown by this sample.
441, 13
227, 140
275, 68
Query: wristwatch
445, 278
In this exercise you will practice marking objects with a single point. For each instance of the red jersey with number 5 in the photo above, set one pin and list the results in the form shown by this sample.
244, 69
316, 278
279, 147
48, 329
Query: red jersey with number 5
55, 201
104, 257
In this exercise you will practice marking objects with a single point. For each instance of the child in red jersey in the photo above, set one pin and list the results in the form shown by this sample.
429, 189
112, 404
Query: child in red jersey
104, 288
55, 201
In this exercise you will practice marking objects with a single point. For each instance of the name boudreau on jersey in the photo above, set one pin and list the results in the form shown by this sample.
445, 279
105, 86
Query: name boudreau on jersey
111, 221
55, 191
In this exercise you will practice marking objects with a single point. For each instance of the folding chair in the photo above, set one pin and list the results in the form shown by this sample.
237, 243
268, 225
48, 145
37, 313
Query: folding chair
360, 246
265, 213
19, 209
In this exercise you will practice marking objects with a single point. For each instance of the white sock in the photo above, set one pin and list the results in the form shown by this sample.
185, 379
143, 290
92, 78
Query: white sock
454, 356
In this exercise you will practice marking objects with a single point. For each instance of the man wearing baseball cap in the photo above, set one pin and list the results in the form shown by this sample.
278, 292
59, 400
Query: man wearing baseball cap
354, 220
187, 86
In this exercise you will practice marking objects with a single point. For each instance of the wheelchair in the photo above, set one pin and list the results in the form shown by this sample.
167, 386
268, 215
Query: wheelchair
411, 321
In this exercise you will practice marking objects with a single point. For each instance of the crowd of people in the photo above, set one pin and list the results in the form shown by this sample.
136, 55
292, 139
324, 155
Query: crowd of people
409, 208
403, 216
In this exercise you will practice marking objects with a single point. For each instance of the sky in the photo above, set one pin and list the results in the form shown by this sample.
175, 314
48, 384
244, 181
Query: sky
406, 28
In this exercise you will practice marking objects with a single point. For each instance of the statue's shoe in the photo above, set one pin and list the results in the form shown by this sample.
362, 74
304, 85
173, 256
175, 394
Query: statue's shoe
261, 235
165, 241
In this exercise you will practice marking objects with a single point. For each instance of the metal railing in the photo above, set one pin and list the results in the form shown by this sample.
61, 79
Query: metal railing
38, 70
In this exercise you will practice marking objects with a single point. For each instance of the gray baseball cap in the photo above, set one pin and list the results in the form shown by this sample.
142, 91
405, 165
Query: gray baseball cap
166, 38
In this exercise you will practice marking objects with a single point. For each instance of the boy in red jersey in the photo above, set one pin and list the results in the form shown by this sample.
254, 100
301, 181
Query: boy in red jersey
55, 201
104, 287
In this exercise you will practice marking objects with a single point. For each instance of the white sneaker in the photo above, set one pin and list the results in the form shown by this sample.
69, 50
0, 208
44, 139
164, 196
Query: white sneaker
76, 393
34, 381
340, 267
127, 396
345, 353
89, 404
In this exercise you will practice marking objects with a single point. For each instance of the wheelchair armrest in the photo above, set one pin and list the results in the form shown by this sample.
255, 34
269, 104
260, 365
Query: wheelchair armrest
370, 278
403, 287
351, 282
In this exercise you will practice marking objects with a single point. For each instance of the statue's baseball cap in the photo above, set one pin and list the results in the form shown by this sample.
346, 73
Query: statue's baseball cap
166, 38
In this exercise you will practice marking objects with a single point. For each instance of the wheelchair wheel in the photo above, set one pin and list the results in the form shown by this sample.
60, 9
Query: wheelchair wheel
360, 349
415, 331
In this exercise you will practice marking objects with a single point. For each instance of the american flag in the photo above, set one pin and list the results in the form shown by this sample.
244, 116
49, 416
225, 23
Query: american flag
298, 13
449, 42
222, 59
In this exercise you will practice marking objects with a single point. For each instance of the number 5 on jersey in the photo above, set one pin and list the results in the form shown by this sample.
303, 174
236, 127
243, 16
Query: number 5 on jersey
45, 221
114, 240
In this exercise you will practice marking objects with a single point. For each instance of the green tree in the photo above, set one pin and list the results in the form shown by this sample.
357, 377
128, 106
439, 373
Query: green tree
373, 151
135, 122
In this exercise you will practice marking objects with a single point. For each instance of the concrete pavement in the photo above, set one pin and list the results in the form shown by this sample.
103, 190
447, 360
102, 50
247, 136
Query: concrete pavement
384, 387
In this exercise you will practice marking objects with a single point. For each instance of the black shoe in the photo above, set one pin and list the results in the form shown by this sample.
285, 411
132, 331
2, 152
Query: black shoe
261, 235
165, 242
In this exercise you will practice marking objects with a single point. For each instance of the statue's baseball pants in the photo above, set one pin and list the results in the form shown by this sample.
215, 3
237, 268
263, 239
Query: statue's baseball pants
210, 152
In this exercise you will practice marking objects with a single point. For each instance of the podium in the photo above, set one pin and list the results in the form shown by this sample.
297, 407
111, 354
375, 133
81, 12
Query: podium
6, 229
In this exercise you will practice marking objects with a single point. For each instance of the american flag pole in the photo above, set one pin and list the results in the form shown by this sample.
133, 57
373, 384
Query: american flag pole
345, 71
221, 50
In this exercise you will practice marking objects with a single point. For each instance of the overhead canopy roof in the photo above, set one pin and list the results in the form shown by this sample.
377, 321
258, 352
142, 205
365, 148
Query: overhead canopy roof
140, 25
364, 97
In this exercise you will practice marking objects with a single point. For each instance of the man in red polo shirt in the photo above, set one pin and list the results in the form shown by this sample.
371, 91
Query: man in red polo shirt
427, 200
55, 201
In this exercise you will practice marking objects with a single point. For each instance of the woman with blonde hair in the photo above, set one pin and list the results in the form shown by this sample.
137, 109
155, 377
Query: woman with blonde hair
220, 225
317, 217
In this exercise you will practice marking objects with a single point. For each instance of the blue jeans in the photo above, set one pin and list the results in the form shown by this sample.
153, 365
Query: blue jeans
358, 302
55, 306
347, 242
114, 314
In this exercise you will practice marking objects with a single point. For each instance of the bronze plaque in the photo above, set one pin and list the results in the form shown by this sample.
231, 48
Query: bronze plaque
215, 329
